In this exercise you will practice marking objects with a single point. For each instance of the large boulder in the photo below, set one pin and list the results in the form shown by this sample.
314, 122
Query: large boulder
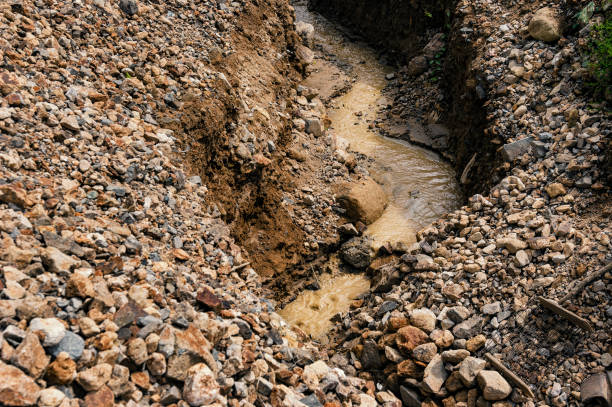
364, 200
545, 25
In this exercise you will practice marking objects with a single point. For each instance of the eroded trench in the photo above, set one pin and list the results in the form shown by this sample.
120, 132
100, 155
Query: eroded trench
420, 185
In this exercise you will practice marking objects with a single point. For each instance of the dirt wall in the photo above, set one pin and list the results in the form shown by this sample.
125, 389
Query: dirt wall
236, 132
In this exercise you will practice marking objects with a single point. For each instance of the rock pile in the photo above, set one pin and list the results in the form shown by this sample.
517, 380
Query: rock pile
469, 286
120, 283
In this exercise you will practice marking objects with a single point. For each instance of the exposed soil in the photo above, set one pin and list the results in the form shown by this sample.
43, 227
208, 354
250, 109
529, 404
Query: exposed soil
249, 197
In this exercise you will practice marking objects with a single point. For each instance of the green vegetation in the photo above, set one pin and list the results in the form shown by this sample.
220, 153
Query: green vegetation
599, 61
436, 65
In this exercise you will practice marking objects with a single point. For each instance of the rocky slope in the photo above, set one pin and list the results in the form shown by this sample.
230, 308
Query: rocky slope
470, 286
122, 124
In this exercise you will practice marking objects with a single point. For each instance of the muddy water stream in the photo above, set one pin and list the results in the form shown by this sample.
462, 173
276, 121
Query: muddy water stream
420, 185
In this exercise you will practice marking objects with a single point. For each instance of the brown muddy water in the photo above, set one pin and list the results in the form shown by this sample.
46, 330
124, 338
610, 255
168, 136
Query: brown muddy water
421, 186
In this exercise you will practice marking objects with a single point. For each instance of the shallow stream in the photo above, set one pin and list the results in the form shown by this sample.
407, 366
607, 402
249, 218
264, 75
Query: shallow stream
421, 186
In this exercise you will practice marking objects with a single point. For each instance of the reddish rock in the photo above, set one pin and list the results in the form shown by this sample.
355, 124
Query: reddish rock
180, 254
79, 285
408, 368
30, 356
16, 388
209, 299
62, 370
396, 323
409, 337
127, 314
15, 99
11, 193
101, 398
141, 379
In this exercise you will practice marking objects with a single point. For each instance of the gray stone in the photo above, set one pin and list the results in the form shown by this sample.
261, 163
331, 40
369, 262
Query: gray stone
468, 328
71, 343
514, 150
356, 252
370, 357
314, 127
425, 352
264, 386
458, 314
410, 398
311, 401
490, 309
469, 369
129, 7
435, 374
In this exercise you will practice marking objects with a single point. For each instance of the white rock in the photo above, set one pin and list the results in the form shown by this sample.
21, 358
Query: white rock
424, 319
493, 385
50, 397
315, 372
53, 329
201, 387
